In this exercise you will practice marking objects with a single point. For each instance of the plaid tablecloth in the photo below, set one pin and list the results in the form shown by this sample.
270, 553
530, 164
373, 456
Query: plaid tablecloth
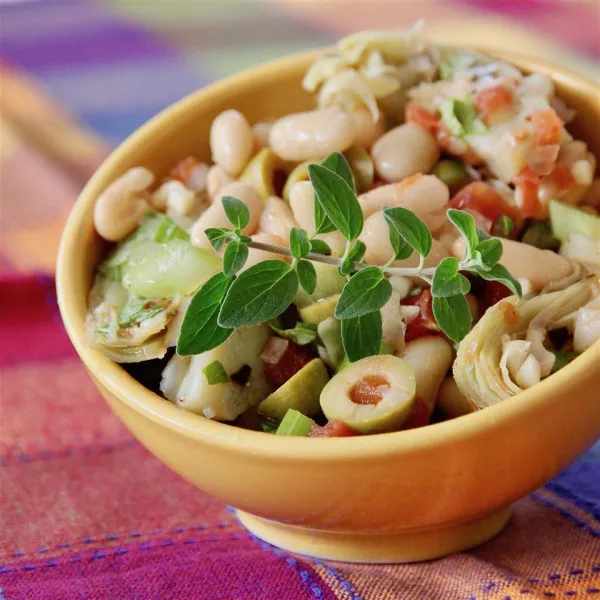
86, 512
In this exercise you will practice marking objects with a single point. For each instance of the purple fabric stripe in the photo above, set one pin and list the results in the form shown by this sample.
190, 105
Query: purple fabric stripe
88, 45
580, 484
208, 568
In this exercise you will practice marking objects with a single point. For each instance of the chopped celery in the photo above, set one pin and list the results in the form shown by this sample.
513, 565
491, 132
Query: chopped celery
567, 219
154, 226
215, 373
167, 230
295, 423
503, 226
163, 270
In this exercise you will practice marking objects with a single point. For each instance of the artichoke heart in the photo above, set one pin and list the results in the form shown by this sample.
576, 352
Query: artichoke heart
505, 338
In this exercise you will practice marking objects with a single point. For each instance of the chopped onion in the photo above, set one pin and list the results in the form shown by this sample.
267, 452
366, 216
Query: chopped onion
541, 159
274, 349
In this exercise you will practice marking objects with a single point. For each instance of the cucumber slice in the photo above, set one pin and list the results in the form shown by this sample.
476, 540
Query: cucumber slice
567, 219
162, 270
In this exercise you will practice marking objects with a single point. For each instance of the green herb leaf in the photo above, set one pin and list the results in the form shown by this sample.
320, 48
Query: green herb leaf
140, 309
410, 229
503, 226
337, 200
245, 239
367, 291
460, 116
299, 243
215, 373
501, 274
234, 258
302, 334
295, 423
456, 63
167, 230
357, 251
361, 336
465, 224
307, 276
236, 211
217, 236
447, 281
200, 330
259, 294
453, 316
322, 222
337, 163
354, 256
320, 247
490, 252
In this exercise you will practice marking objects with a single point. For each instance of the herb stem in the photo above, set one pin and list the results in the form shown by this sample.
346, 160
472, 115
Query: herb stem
330, 260
336, 262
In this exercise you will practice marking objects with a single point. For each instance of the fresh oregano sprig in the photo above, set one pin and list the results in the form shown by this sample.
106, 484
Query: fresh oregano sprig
262, 292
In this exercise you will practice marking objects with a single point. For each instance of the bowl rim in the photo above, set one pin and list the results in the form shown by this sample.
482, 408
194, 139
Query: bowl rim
117, 381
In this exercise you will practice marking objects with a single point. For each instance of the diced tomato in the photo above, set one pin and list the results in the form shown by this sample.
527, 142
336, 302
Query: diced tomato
484, 199
528, 182
283, 360
491, 100
547, 126
183, 168
419, 115
493, 292
334, 428
562, 177
425, 323
420, 415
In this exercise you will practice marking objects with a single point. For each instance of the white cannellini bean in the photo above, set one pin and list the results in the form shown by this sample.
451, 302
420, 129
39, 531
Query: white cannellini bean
260, 135
405, 150
255, 256
277, 218
587, 328
214, 215
451, 400
336, 242
120, 208
197, 179
174, 197
231, 141
430, 357
311, 134
392, 324
302, 203
375, 235
523, 261
425, 195
216, 180
366, 131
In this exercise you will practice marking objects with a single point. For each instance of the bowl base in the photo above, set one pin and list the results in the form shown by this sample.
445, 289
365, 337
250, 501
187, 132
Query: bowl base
411, 545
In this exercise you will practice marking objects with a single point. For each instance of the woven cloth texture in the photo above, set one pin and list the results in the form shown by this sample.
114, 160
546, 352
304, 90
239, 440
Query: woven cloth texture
86, 512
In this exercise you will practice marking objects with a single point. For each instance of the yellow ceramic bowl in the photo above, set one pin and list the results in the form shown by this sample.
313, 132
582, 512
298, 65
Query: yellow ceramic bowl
404, 496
